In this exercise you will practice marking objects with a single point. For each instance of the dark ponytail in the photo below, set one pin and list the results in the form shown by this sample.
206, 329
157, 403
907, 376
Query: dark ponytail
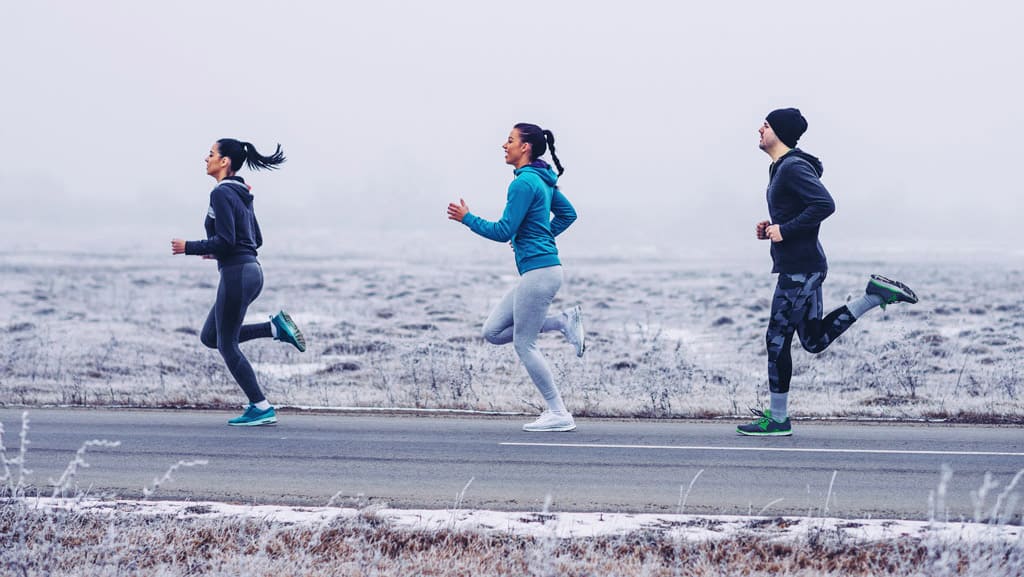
245, 153
540, 141
550, 138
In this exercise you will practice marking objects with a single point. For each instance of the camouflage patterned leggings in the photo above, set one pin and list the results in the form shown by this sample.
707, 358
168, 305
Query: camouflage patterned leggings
797, 308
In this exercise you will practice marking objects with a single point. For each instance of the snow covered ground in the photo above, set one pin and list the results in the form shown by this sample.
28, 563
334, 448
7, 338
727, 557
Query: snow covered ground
667, 337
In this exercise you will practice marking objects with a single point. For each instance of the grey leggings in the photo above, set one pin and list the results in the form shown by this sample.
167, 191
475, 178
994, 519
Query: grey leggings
240, 284
522, 315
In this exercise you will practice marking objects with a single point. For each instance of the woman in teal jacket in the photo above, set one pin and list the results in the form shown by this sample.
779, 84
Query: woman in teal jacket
526, 223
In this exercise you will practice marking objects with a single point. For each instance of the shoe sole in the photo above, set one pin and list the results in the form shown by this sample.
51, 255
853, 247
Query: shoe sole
256, 423
896, 287
292, 329
582, 335
775, 434
564, 429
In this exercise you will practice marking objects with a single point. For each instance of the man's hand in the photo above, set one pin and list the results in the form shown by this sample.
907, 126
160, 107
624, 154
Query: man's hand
457, 211
774, 232
177, 246
759, 230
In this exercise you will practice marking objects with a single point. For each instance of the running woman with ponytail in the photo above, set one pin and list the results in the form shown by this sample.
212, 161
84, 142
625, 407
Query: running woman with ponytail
233, 235
527, 225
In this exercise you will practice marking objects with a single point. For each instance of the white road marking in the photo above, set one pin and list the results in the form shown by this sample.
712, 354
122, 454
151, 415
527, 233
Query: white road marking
767, 449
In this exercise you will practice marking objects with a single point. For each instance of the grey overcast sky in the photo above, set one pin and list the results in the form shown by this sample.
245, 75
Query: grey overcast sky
389, 109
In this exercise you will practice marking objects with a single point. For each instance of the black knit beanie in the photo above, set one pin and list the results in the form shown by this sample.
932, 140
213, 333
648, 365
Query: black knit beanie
788, 124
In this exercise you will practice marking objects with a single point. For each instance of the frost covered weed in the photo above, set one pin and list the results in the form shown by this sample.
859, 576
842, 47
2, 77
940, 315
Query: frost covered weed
39, 540
63, 542
662, 341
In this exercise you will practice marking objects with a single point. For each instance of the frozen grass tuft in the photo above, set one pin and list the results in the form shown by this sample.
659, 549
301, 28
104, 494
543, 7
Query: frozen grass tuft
58, 541
151, 490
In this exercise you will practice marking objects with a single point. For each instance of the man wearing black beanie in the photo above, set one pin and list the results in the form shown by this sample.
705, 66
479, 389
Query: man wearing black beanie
797, 205
788, 124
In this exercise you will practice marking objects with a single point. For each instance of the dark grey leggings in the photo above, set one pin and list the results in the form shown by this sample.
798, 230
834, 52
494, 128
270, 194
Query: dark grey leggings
240, 284
797, 308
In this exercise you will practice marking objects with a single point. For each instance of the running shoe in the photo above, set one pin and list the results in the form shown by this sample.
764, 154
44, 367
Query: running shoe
549, 422
253, 416
766, 426
890, 290
288, 331
574, 332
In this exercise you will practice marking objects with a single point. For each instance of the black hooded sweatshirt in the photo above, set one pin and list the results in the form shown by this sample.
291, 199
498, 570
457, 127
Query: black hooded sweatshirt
233, 235
798, 203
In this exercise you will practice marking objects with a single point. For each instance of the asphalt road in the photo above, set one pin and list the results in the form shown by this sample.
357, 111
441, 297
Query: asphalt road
881, 470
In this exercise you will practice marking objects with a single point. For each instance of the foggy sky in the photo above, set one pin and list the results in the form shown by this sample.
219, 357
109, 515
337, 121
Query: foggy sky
388, 110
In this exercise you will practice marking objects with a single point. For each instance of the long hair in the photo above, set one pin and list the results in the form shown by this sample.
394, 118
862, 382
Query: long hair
245, 153
540, 141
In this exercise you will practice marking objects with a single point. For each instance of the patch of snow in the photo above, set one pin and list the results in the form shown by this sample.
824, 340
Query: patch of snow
563, 525
289, 370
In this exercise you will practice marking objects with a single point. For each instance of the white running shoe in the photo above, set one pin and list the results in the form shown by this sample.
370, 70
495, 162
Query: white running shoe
549, 422
574, 332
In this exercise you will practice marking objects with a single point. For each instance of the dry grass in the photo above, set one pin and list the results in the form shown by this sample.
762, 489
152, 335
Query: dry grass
61, 542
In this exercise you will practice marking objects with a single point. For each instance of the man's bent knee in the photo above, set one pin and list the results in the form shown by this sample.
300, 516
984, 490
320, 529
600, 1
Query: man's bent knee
814, 348
208, 340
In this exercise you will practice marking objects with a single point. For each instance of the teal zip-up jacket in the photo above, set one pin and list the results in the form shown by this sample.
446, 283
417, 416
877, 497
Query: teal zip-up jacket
532, 198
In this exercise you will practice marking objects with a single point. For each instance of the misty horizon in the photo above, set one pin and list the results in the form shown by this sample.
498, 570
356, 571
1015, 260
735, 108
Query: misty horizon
389, 111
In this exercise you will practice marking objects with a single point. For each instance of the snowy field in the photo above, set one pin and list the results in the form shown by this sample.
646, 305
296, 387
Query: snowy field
667, 337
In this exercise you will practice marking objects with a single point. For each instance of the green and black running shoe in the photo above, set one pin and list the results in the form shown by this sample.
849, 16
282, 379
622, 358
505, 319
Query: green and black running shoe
766, 426
288, 331
890, 290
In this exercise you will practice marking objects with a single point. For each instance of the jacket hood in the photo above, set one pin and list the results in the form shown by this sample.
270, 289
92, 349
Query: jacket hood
810, 158
541, 169
238, 185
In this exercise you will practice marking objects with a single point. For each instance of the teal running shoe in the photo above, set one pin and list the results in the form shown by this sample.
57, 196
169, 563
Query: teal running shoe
890, 290
253, 417
288, 331
766, 426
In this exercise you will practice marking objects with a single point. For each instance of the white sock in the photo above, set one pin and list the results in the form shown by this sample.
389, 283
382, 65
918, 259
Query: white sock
273, 328
778, 407
863, 304
262, 405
